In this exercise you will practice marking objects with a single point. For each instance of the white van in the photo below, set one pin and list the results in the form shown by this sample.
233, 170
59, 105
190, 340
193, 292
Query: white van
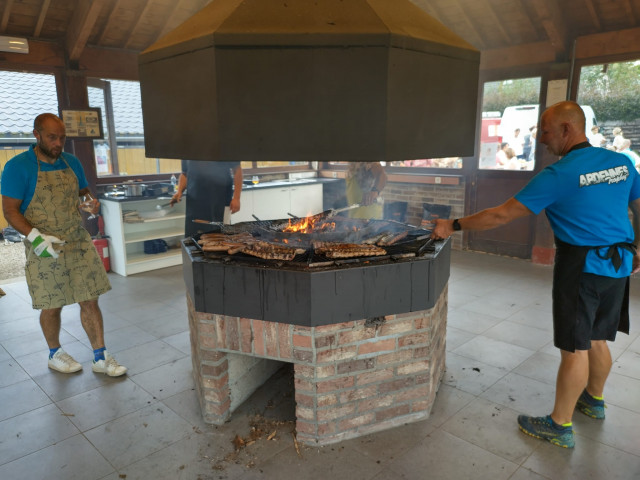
526, 116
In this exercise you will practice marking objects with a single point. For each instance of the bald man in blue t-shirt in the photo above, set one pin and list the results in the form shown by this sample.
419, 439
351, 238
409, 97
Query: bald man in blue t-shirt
586, 195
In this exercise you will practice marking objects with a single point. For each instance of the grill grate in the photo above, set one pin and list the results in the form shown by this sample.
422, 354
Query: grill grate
415, 244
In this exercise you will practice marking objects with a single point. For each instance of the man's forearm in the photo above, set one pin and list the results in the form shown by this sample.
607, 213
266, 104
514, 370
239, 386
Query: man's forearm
17, 221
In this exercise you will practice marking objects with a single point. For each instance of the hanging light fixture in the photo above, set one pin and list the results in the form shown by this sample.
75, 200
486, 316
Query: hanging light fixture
14, 45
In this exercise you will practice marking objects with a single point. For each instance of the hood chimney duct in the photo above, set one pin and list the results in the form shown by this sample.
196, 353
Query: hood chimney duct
305, 80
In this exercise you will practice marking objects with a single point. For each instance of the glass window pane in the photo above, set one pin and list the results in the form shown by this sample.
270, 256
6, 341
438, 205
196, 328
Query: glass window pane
129, 133
608, 94
23, 97
509, 119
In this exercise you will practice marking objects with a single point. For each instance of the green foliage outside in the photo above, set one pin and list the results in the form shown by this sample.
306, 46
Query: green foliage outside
502, 94
612, 90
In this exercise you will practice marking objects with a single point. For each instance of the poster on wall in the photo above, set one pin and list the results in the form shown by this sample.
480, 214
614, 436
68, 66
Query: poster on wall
86, 123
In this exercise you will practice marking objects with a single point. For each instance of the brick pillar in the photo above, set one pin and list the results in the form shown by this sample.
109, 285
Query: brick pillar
210, 368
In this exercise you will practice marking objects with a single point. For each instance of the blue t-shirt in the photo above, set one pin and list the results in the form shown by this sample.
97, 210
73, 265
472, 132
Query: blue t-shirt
586, 195
20, 175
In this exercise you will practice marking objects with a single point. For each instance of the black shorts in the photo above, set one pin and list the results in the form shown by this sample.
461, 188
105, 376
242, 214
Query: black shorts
598, 311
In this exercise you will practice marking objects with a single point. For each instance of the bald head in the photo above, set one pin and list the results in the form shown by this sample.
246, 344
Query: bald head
44, 118
562, 127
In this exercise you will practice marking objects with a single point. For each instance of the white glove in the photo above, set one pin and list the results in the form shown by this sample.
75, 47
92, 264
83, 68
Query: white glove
43, 244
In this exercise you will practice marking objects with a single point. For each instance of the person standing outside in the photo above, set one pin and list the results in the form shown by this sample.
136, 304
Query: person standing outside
586, 195
40, 196
210, 188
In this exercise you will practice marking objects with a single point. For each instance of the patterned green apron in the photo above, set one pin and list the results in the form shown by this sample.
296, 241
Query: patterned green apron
354, 195
77, 274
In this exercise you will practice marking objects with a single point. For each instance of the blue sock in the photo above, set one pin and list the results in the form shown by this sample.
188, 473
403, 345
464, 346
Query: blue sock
52, 351
98, 354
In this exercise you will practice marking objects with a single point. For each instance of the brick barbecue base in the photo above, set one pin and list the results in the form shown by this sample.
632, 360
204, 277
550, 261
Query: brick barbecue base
351, 378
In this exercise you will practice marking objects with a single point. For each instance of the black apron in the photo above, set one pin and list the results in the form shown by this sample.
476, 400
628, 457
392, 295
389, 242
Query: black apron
568, 266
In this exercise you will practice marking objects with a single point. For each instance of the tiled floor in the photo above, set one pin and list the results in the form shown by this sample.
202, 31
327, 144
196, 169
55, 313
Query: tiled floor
147, 425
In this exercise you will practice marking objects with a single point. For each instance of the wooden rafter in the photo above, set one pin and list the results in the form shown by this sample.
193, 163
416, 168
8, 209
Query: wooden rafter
82, 23
5, 15
628, 9
168, 22
552, 21
472, 28
111, 20
488, 8
594, 14
526, 18
43, 13
141, 16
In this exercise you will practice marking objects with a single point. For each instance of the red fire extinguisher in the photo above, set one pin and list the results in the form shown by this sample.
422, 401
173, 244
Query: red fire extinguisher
102, 245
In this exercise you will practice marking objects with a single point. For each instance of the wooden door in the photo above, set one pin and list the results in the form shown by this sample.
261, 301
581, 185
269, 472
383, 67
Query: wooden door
490, 183
489, 189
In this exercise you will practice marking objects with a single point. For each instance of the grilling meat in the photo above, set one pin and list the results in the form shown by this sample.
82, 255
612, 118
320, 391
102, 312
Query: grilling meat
391, 239
347, 250
270, 251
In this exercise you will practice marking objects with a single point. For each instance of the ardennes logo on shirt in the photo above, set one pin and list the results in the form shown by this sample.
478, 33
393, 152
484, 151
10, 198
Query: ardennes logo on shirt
610, 175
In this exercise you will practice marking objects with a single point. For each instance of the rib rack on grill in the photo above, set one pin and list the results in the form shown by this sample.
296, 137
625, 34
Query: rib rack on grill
347, 250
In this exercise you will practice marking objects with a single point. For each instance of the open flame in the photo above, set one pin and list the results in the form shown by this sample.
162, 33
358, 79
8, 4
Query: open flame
309, 224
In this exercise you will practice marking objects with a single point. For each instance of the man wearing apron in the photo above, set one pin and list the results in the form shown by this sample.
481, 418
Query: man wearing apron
587, 195
365, 181
40, 192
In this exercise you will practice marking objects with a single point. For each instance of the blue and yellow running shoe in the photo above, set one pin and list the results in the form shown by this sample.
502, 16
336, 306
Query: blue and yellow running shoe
546, 429
591, 406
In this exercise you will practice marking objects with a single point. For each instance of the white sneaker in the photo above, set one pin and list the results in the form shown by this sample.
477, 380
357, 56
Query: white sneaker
108, 366
63, 362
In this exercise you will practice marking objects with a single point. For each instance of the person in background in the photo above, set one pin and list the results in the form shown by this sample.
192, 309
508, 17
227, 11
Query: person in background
618, 139
528, 143
365, 181
40, 196
532, 154
501, 155
596, 138
513, 162
633, 156
586, 195
210, 188
517, 143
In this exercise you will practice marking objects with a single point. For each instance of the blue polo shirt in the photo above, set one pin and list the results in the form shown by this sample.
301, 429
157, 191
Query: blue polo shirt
20, 175
586, 195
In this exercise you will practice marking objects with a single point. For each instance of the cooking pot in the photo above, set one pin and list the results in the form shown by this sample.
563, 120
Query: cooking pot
134, 189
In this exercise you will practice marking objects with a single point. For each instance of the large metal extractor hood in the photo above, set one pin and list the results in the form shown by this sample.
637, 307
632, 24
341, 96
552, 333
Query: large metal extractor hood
309, 80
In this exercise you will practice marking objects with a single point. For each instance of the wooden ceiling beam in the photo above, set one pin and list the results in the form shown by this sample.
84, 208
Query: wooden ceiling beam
525, 9
594, 14
43, 13
168, 22
81, 25
472, 28
149, 4
5, 16
519, 55
111, 20
628, 9
488, 8
619, 42
553, 22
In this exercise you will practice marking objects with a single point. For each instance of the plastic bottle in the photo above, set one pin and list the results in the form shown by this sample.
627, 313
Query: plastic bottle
174, 182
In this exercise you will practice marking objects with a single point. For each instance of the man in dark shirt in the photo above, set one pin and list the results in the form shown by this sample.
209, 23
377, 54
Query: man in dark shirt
210, 188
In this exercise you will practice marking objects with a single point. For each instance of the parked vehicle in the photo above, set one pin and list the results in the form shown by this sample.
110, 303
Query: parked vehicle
526, 116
